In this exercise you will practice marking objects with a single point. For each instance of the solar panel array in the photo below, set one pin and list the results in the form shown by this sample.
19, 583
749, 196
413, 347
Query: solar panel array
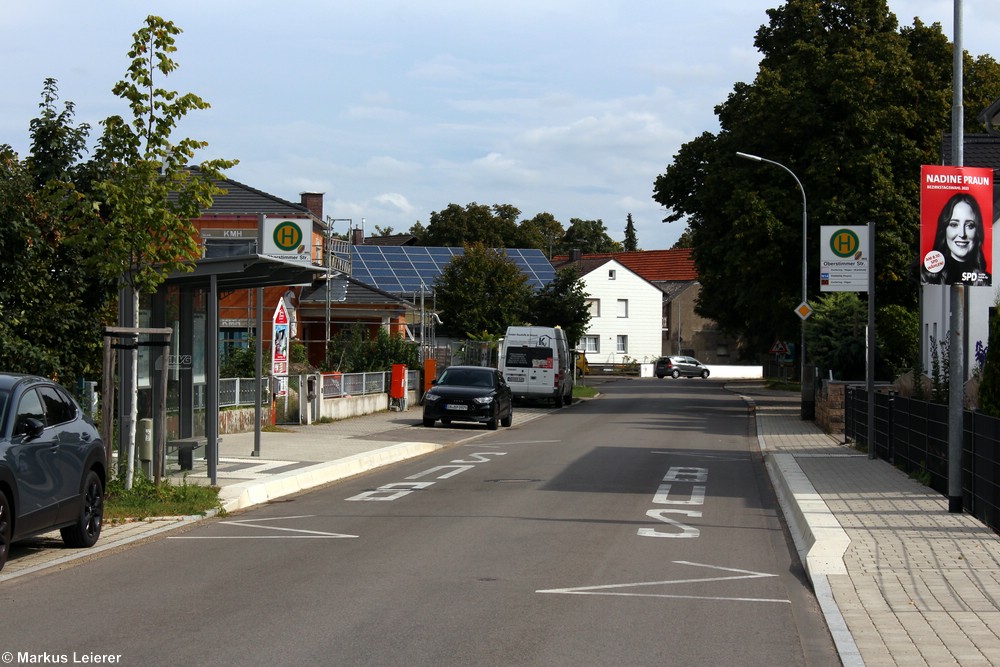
402, 269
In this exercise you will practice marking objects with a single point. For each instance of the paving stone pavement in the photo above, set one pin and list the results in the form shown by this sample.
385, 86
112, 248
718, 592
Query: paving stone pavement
921, 585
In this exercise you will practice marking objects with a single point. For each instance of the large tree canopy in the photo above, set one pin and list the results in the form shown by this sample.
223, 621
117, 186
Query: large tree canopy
494, 226
589, 236
482, 292
852, 105
53, 299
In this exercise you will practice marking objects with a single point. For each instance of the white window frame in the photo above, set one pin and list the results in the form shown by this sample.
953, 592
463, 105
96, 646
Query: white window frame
611, 274
594, 305
590, 344
622, 308
621, 343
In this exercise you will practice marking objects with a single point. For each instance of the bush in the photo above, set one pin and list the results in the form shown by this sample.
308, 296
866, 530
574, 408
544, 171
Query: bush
352, 351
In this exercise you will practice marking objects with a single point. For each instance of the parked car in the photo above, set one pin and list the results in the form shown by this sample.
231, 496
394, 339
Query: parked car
52, 465
469, 393
677, 366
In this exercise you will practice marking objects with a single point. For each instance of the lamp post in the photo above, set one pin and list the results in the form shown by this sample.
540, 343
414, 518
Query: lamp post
803, 310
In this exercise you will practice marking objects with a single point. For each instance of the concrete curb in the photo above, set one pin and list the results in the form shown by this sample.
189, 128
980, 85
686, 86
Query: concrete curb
255, 492
819, 538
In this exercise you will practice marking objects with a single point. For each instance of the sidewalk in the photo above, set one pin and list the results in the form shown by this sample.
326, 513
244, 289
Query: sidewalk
899, 579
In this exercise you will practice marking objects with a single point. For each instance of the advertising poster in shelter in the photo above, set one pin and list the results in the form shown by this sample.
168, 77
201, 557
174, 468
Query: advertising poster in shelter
956, 230
279, 349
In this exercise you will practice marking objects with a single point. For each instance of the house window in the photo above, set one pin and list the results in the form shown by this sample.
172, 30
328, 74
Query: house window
622, 307
622, 344
591, 344
611, 274
229, 247
594, 305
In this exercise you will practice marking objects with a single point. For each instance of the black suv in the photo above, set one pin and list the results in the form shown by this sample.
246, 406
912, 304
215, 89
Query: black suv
52, 465
677, 366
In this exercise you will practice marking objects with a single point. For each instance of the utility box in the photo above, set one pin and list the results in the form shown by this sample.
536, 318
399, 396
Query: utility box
144, 443
397, 385
430, 374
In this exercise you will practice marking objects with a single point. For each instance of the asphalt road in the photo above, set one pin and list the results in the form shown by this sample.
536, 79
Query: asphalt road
635, 529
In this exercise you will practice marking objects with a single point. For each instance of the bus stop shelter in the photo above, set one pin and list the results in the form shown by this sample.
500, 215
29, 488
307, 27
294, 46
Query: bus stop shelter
188, 303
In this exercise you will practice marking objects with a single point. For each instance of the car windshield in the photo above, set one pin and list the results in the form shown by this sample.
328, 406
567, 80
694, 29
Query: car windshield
466, 377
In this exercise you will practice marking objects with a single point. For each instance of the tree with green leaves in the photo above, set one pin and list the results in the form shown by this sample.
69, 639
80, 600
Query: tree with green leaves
562, 303
631, 243
589, 236
482, 291
542, 232
852, 105
835, 335
47, 235
149, 192
494, 226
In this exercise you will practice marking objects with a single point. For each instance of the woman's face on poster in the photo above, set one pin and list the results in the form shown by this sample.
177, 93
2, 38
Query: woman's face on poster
961, 232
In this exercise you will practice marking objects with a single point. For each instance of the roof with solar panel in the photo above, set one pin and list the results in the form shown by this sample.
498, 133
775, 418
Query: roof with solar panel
410, 269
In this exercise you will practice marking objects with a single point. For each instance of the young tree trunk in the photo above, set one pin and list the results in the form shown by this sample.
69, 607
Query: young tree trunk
133, 407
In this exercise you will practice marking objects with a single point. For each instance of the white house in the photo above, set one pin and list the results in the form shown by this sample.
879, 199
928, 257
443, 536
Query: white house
625, 314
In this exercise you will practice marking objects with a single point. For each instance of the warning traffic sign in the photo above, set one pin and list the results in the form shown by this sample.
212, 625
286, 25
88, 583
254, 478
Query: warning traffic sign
779, 347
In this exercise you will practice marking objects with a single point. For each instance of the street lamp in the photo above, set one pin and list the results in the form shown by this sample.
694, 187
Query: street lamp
803, 310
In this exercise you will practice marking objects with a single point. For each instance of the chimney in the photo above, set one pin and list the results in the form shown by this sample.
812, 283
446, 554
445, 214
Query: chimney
314, 202
574, 255
357, 236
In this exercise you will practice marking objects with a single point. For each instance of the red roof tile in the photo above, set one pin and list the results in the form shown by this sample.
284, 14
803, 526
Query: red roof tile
676, 264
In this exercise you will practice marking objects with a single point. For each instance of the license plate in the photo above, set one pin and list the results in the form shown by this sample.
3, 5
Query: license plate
515, 378
453, 406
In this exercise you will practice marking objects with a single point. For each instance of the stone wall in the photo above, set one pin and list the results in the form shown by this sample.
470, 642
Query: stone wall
830, 406
241, 420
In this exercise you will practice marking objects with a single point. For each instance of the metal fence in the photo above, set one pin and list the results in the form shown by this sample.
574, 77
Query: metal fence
913, 436
241, 391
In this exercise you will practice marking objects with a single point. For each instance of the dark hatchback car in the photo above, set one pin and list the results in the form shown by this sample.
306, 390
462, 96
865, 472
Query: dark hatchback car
676, 366
470, 394
52, 465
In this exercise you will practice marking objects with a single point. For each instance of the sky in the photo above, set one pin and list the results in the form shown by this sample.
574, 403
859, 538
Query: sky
397, 108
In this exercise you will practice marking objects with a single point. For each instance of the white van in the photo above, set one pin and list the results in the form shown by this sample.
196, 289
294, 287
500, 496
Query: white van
537, 363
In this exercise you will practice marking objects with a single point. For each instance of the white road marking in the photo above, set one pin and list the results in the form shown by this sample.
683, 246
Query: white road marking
614, 589
256, 523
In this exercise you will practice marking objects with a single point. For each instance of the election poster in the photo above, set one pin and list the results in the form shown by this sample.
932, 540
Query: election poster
956, 225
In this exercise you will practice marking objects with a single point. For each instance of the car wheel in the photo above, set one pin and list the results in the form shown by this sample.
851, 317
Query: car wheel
660, 377
5, 528
675, 374
446, 422
428, 421
87, 529
704, 375
508, 420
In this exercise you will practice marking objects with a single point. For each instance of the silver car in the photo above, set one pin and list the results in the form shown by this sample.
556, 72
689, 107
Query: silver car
678, 365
